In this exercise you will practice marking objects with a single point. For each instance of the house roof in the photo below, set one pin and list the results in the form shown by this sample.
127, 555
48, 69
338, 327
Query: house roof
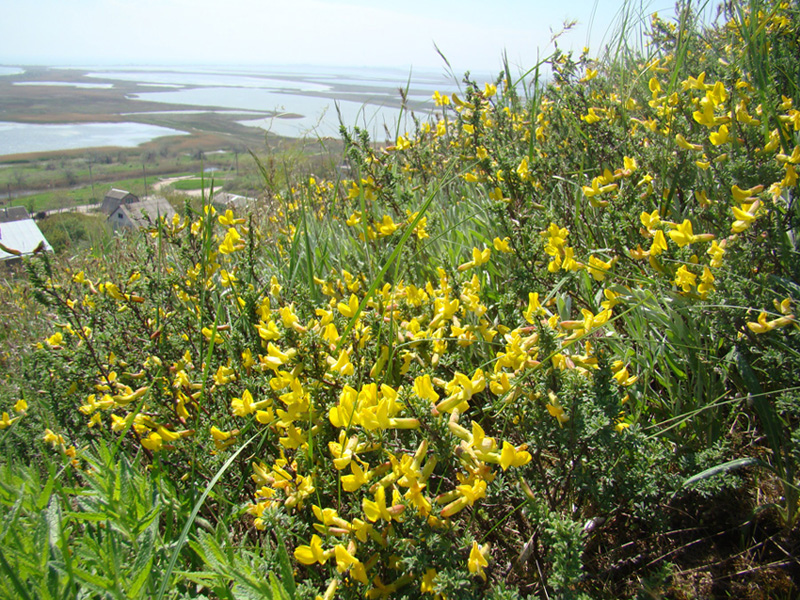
116, 194
226, 199
13, 213
146, 212
23, 236
114, 198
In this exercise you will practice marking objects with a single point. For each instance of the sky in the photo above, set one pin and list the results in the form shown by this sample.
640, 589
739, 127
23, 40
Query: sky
472, 34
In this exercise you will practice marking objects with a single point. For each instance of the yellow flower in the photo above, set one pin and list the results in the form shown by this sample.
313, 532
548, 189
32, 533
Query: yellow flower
512, 457
477, 559
686, 145
685, 279
153, 442
377, 509
659, 243
441, 100
228, 220
503, 245
344, 559
522, 170
763, 326
707, 283
426, 586
682, 234
741, 195
402, 143
52, 438
6, 421
349, 310
312, 553
386, 227
591, 117
342, 365
719, 137
423, 388
598, 268
55, 340
479, 257
744, 216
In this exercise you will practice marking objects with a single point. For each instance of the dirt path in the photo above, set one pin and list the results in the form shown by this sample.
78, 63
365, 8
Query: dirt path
170, 180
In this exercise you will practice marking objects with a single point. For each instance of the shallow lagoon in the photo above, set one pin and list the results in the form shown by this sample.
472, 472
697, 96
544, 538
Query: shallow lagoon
17, 138
301, 95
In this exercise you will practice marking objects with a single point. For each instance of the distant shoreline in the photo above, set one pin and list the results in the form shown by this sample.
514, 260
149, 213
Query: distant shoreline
210, 101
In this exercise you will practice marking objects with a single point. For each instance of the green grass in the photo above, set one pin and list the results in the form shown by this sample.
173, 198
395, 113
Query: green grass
195, 184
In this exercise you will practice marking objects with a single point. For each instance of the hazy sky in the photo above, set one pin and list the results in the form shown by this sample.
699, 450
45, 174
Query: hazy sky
471, 33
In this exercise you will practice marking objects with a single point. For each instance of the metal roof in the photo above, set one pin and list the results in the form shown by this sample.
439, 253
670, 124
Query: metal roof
23, 236
13, 213
118, 194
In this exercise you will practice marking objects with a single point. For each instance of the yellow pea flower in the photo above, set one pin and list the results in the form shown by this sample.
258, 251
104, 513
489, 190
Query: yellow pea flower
512, 457
386, 227
763, 326
719, 137
153, 442
312, 553
6, 421
477, 559
503, 245
682, 143
349, 310
685, 279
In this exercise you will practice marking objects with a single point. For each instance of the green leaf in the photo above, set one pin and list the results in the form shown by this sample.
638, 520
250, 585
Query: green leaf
286, 568
766, 411
12, 576
140, 571
44, 497
278, 591
53, 516
739, 463
10, 519
96, 582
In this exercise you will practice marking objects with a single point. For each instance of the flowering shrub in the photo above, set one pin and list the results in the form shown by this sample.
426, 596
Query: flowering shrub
448, 372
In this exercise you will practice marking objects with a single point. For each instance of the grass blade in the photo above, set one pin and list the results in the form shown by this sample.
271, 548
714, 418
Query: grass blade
185, 533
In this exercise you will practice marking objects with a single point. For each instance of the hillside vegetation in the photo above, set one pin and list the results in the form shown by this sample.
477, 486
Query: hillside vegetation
544, 346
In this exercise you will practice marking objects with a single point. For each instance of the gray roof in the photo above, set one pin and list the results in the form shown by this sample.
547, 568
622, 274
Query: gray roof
146, 212
117, 194
114, 198
13, 213
228, 200
23, 236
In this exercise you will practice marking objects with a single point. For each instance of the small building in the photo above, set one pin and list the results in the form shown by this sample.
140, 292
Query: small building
20, 237
224, 201
116, 198
140, 214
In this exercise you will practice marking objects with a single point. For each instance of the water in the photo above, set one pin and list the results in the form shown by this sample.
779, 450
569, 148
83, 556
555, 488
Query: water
301, 115
88, 86
174, 78
302, 96
26, 137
